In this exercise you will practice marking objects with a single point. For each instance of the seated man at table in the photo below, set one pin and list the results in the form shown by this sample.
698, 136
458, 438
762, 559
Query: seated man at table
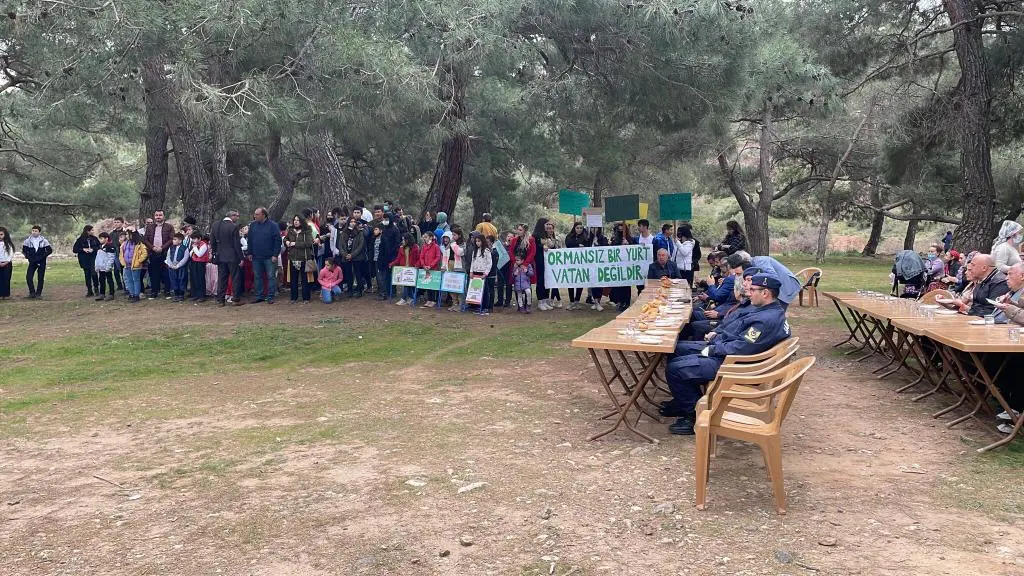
662, 267
757, 331
723, 292
1010, 307
989, 284
703, 321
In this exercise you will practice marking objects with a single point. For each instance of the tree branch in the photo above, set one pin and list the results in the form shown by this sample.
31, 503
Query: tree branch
908, 217
12, 199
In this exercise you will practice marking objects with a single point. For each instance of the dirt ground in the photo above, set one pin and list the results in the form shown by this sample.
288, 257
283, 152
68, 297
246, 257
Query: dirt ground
378, 467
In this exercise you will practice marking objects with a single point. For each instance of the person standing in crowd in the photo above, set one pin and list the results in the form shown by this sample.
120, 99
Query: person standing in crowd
115, 240
390, 240
330, 281
662, 267
427, 224
546, 240
158, 238
177, 266
199, 257
36, 249
597, 238
503, 288
442, 226
264, 247
133, 259
6, 263
684, 256
352, 251
622, 295
485, 227
456, 251
408, 255
734, 239
1006, 247
105, 257
227, 253
300, 255
481, 266
947, 241
576, 238
664, 240
644, 238
86, 247
430, 259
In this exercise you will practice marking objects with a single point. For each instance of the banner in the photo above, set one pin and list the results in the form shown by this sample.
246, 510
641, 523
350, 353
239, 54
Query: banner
597, 267
572, 202
403, 276
475, 291
503, 257
428, 279
453, 282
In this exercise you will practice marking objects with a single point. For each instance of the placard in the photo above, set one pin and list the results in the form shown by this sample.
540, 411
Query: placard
644, 208
597, 266
676, 206
503, 257
572, 202
619, 208
475, 291
454, 282
593, 217
403, 276
428, 279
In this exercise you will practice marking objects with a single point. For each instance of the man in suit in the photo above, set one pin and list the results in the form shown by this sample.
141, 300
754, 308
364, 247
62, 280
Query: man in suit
227, 250
157, 240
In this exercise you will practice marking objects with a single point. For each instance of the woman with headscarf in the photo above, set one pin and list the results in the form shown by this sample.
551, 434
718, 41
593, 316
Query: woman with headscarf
1006, 249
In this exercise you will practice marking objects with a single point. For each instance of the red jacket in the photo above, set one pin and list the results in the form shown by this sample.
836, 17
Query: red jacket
430, 257
413, 260
531, 256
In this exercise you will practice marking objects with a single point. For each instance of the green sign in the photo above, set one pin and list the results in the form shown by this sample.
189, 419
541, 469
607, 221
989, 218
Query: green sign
621, 208
573, 202
675, 206
428, 279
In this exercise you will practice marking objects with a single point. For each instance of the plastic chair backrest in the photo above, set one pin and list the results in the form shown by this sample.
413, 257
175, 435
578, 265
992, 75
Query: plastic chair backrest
777, 389
810, 276
781, 354
769, 353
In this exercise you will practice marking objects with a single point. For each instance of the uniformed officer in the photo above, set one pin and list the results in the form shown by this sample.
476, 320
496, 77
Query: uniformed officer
757, 331
701, 321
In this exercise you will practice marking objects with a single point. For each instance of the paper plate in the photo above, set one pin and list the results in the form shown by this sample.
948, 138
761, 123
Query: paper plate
977, 322
945, 312
657, 332
648, 340
930, 306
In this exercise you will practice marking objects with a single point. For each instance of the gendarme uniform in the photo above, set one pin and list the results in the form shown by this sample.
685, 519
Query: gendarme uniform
696, 365
728, 314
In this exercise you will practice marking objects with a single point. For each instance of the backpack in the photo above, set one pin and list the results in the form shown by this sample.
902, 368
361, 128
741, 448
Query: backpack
696, 255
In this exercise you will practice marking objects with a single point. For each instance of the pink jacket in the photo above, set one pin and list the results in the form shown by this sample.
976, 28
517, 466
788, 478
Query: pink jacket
328, 279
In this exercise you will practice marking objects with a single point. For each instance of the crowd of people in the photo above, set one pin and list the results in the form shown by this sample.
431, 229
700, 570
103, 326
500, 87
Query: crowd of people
346, 254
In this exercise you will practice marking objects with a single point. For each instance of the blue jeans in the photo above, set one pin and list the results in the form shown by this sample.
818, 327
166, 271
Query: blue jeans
264, 273
179, 280
407, 292
133, 281
327, 296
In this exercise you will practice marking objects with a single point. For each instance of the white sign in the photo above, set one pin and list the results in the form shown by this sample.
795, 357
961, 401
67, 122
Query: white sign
593, 217
597, 267
403, 276
475, 291
453, 282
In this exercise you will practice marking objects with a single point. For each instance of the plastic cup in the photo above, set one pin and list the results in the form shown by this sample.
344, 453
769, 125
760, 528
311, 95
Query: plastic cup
990, 319
1014, 335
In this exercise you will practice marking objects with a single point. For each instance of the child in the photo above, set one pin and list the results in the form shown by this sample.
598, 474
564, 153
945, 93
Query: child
199, 256
133, 259
430, 259
376, 255
455, 251
521, 274
481, 267
330, 280
177, 266
409, 256
36, 250
105, 258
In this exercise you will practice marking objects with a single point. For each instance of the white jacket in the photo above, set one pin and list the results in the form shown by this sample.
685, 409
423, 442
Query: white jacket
684, 255
481, 263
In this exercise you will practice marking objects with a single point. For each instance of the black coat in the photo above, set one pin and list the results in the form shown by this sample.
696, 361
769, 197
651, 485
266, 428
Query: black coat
988, 289
225, 242
86, 259
390, 240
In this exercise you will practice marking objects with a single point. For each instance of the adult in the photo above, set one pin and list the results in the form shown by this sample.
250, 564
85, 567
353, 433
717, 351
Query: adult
621, 295
724, 292
226, 244
683, 253
1010, 307
734, 240
264, 247
86, 246
157, 239
756, 332
934, 268
578, 237
36, 249
390, 240
722, 318
908, 269
442, 227
947, 241
989, 284
352, 252
6, 263
597, 238
544, 237
662, 266
300, 255
485, 227
1006, 248
664, 240
791, 285
115, 240
427, 224
644, 238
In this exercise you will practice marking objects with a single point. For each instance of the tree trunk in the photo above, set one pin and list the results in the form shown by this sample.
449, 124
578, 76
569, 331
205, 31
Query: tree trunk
877, 220
330, 190
602, 186
757, 221
285, 181
154, 190
911, 237
822, 247
973, 111
481, 203
451, 162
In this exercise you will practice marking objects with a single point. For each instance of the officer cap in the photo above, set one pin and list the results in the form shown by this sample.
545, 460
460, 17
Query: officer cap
765, 280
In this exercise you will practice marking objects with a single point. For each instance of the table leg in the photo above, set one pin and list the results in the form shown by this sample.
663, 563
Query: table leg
869, 338
853, 334
968, 380
990, 384
894, 351
633, 401
629, 368
618, 373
